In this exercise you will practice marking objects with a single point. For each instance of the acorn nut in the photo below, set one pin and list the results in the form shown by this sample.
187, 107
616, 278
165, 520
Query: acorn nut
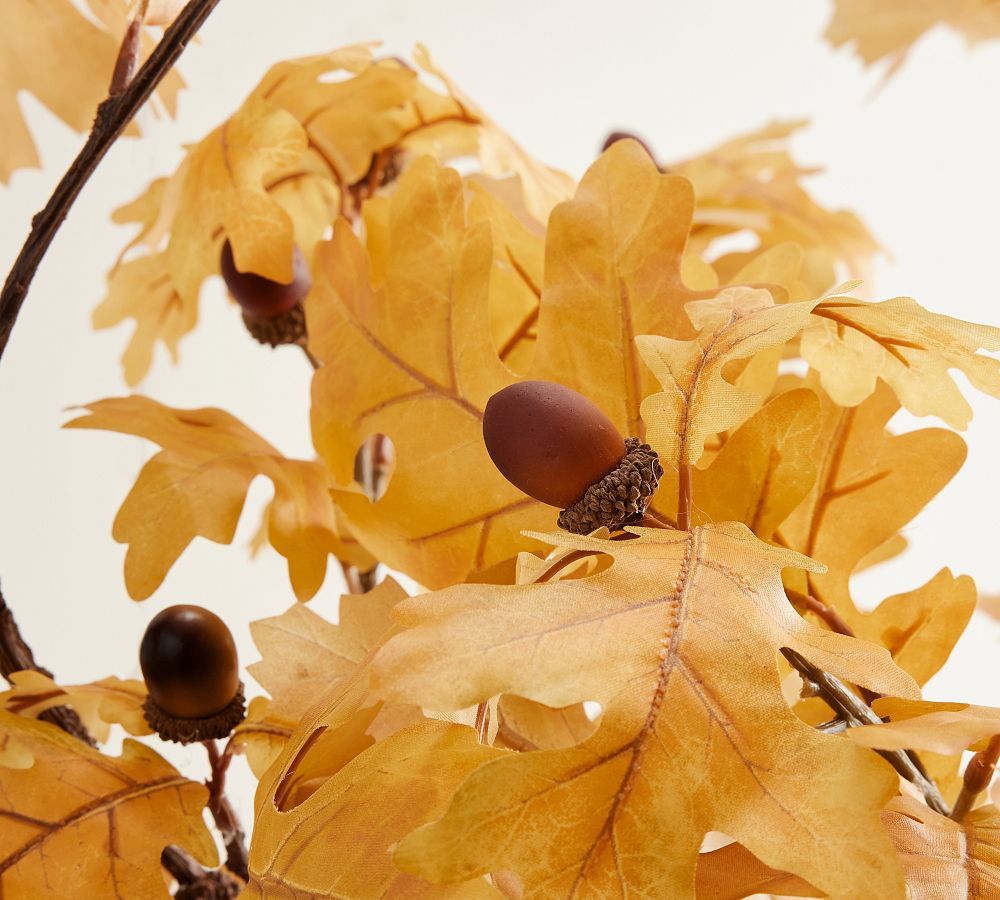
558, 447
189, 663
272, 310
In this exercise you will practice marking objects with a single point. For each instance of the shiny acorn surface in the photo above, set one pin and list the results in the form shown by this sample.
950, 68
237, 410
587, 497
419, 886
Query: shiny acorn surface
189, 662
550, 441
260, 297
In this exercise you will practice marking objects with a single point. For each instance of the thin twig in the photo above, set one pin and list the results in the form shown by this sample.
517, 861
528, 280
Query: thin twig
233, 837
113, 115
855, 712
817, 607
129, 52
978, 775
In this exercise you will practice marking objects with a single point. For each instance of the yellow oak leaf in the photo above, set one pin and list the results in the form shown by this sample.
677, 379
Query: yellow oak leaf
332, 782
696, 400
36, 38
414, 360
751, 182
527, 725
99, 704
888, 30
921, 627
677, 641
852, 344
941, 859
763, 471
947, 728
81, 824
225, 190
262, 735
613, 271
196, 485
871, 483
142, 289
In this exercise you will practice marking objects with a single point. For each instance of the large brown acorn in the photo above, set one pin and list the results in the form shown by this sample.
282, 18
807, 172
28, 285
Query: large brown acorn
189, 663
272, 310
555, 445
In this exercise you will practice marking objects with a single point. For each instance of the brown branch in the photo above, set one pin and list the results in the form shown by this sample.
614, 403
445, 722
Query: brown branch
977, 778
113, 115
233, 837
855, 712
818, 608
16, 656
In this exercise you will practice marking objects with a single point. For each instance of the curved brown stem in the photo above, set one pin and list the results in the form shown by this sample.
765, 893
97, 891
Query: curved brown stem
233, 836
113, 115
977, 778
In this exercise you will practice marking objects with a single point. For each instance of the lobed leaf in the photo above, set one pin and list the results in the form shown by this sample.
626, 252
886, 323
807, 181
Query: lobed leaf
79, 824
196, 486
677, 642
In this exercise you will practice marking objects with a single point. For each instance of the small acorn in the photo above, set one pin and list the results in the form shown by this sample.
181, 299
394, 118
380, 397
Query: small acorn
272, 310
189, 663
558, 447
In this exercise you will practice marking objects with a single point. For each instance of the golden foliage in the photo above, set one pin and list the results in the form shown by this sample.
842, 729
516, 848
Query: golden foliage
196, 485
100, 704
35, 37
888, 29
79, 824
668, 658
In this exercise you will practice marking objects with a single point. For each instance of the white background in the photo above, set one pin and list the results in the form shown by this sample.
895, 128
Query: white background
917, 158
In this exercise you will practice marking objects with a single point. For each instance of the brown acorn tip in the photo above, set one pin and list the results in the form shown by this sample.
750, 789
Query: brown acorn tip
620, 496
288, 327
188, 731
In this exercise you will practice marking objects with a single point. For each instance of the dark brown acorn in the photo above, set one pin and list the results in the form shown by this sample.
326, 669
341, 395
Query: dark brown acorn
558, 447
189, 663
272, 310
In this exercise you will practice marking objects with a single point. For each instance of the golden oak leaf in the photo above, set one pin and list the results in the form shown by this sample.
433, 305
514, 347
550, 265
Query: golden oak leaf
305, 656
764, 470
677, 641
527, 725
696, 400
36, 37
196, 485
613, 271
80, 824
99, 704
142, 289
852, 344
921, 627
262, 735
942, 859
888, 29
332, 783
947, 728
225, 190
751, 182
871, 483
414, 360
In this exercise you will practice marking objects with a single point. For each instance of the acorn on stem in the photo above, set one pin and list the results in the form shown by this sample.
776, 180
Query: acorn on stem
555, 445
272, 310
189, 663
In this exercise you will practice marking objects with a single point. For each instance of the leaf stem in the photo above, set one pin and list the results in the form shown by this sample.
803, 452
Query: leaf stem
817, 607
222, 811
113, 115
856, 712
684, 497
977, 778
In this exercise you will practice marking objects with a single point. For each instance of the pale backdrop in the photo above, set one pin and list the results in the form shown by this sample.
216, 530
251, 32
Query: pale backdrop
916, 158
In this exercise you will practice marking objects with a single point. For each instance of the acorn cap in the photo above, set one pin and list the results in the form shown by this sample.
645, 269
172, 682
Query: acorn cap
288, 327
620, 496
189, 731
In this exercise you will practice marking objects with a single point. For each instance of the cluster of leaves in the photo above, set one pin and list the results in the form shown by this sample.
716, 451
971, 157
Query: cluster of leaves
561, 715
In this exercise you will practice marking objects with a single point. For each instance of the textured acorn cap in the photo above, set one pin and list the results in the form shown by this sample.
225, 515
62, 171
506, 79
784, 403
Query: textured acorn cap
189, 731
288, 327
